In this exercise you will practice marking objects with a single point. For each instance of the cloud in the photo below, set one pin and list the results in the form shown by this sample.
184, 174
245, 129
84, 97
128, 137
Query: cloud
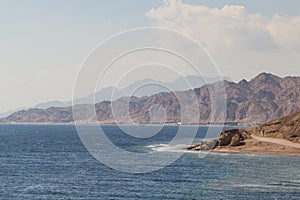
285, 31
230, 27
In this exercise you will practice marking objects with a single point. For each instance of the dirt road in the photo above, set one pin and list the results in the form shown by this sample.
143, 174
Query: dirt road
277, 141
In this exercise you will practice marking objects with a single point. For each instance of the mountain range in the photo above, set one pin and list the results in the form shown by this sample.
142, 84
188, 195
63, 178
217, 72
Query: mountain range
263, 98
150, 87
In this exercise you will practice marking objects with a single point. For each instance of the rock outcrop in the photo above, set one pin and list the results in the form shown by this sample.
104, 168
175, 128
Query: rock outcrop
203, 146
287, 128
235, 137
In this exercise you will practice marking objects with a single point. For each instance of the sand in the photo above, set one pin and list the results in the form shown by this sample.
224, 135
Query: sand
259, 145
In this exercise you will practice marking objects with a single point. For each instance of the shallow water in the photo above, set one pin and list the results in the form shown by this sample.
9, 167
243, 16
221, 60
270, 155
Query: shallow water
50, 162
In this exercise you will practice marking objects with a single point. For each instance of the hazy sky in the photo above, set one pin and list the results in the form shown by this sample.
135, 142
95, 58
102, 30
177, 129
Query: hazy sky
43, 43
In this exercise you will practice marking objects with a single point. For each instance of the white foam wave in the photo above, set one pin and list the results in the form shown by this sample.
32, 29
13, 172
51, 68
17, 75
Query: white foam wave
168, 147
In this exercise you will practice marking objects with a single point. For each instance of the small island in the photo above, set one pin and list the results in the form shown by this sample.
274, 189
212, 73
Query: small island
281, 136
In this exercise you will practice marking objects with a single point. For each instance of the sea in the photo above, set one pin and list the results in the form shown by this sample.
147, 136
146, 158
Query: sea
51, 162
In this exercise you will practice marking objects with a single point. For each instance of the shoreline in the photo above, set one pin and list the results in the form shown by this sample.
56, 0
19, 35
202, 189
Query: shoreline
108, 124
253, 146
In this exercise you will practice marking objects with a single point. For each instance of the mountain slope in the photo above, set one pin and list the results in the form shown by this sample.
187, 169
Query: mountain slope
264, 98
287, 127
105, 94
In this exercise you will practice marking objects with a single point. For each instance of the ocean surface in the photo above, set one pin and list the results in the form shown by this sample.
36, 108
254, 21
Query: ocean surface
50, 162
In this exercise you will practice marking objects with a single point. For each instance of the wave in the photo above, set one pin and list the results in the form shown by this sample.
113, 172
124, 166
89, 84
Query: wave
175, 148
167, 147
273, 185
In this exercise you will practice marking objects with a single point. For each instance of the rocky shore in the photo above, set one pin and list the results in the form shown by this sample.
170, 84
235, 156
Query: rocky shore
229, 138
281, 136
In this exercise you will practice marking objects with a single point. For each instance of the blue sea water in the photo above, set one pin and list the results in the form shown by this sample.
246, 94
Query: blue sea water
50, 162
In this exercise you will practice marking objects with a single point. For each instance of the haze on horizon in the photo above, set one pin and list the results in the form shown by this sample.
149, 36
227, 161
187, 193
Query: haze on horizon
43, 43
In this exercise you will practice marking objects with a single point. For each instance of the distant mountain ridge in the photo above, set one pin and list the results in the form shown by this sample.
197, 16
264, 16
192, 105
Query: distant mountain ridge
105, 94
264, 98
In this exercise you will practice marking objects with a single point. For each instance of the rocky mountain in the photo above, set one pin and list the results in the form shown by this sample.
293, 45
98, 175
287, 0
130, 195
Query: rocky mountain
147, 87
112, 93
264, 98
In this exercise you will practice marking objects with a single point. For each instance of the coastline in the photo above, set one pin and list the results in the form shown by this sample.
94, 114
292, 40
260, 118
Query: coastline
114, 124
253, 146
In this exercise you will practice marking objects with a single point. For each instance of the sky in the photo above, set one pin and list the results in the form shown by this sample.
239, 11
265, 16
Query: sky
44, 43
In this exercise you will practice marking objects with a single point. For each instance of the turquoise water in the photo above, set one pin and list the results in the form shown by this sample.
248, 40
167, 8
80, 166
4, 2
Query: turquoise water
50, 162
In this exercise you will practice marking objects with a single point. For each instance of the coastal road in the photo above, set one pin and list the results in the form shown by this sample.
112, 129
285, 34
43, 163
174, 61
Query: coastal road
282, 142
